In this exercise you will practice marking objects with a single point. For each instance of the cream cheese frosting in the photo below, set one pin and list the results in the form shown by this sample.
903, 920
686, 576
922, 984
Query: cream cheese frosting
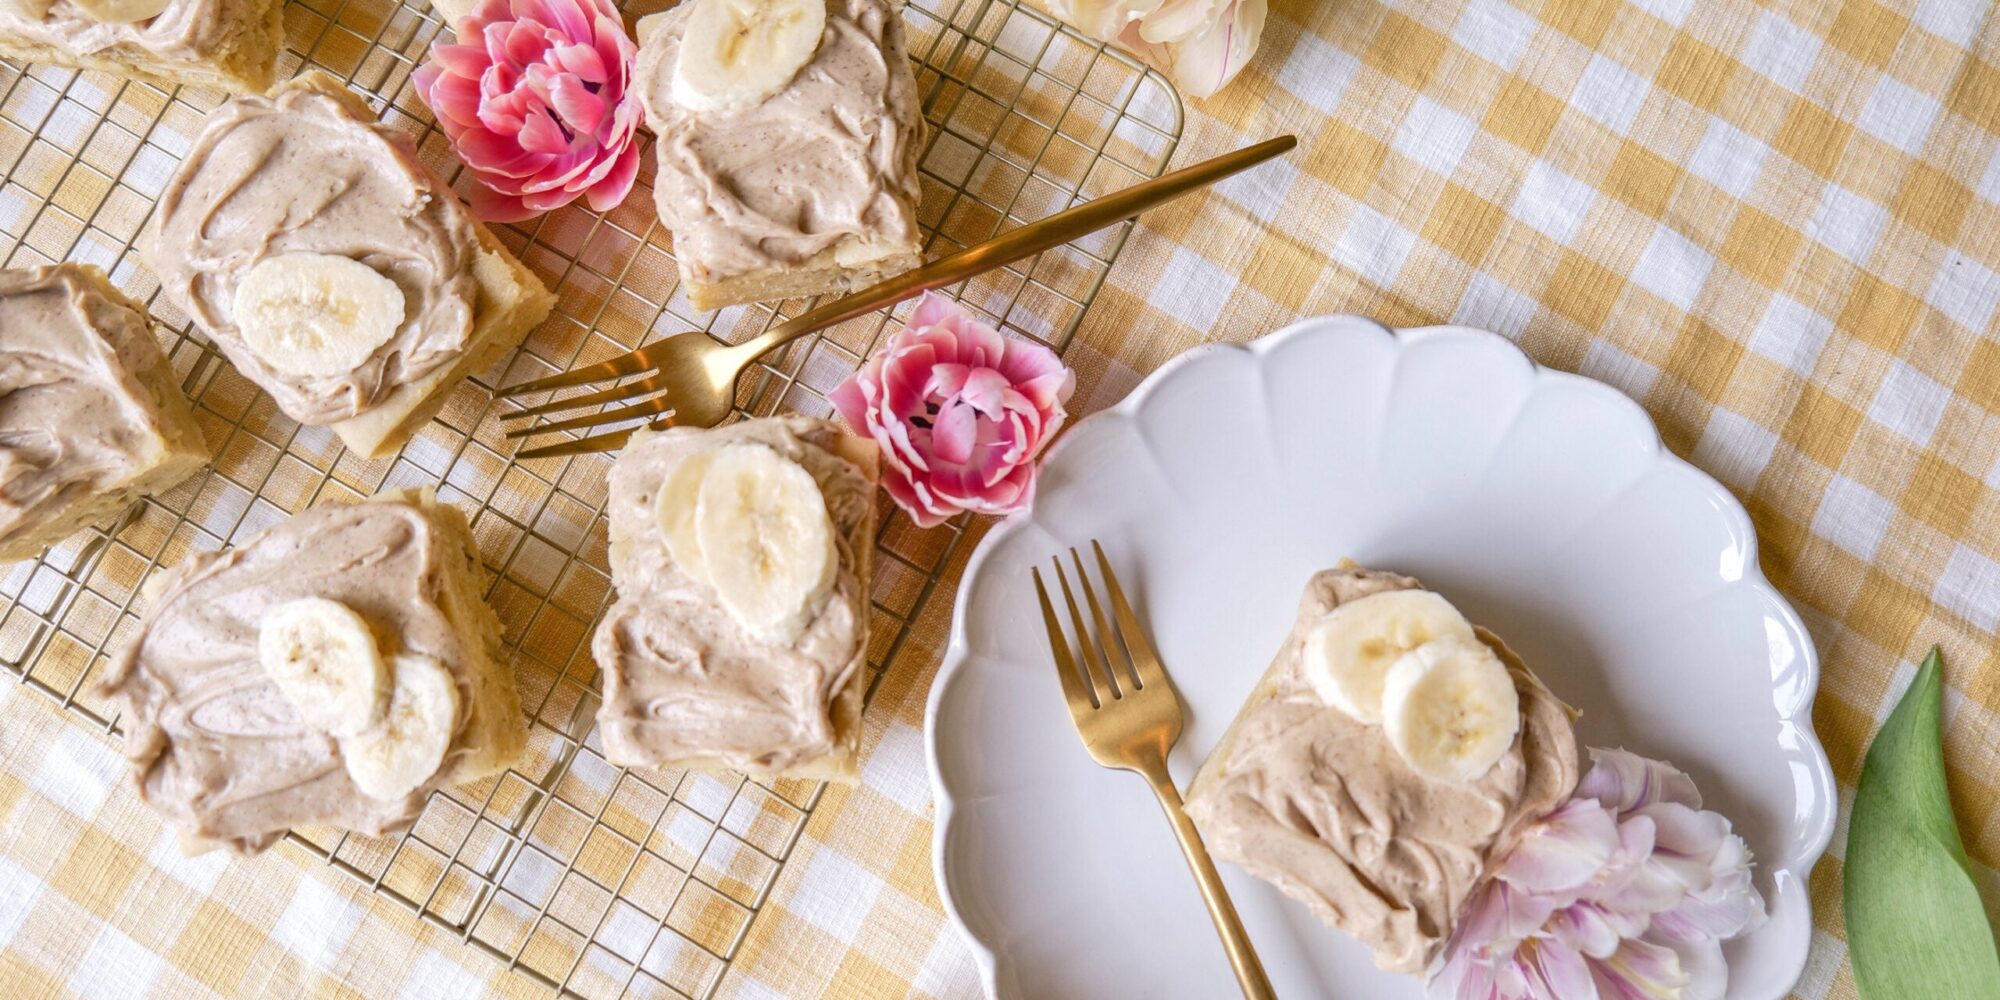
1306, 797
833, 156
301, 173
75, 419
187, 30
214, 744
682, 680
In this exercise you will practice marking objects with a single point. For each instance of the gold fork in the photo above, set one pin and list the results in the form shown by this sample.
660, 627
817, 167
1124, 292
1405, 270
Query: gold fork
1130, 720
691, 376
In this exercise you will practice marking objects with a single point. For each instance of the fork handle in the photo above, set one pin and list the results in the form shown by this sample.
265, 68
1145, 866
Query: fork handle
1242, 957
1015, 244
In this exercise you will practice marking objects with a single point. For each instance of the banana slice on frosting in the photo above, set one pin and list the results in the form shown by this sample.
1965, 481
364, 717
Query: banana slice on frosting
1349, 652
407, 748
322, 657
735, 54
315, 314
1450, 709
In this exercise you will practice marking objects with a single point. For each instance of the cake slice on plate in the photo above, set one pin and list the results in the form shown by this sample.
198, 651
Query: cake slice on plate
740, 635
1388, 758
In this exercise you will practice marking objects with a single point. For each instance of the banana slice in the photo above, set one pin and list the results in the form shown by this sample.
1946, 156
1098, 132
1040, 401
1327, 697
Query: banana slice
323, 658
737, 53
675, 508
1348, 652
26, 10
395, 758
766, 540
121, 11
316, 314
1450, 709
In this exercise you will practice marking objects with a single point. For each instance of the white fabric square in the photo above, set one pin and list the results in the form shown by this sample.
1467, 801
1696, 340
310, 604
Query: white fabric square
77, 773
1673, 268
1728, 158
1847, 224
1965, 290
1552, 202
835, 895
948, 970
1610, 93
897, 768
1261, 191
1955, 21
316, 923
1495, 31
1970, 586
1489, 304
19, 888
435, 977
1781, 51
1989, 182
1671, 11
1606, 363
1317, 73
1192, 289
1853, 517
1791, 334
1734, 449
1899, 115
198, 873
1435, 135
1374, 246
115, 968
1909, 402
1823, 960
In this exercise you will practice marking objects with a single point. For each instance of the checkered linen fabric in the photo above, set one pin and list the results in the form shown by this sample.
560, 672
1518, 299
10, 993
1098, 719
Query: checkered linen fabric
1777, 225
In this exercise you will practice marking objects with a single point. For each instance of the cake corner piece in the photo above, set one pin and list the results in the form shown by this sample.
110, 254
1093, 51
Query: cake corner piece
72, 311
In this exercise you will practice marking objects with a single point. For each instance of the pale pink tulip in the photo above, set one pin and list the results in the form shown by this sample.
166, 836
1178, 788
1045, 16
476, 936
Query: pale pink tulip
1625, 892
533, 96
960, 412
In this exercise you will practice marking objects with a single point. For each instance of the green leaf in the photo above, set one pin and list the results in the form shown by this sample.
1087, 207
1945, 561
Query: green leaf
1915, 926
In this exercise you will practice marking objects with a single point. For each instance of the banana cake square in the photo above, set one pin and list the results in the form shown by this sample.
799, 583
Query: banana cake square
1392, 752
739, 638
334, 670
91, 415
226, 44
789, 136
334, 268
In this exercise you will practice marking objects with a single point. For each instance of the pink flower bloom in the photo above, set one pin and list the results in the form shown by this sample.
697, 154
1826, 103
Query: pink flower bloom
1199, 44
533, 97
959, 411
1625, 892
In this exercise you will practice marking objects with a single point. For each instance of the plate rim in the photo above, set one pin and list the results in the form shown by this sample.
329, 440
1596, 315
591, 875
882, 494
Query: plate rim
957, 650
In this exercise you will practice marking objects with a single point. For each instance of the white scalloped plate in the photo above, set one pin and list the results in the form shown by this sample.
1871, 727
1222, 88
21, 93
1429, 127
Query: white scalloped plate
1542, 503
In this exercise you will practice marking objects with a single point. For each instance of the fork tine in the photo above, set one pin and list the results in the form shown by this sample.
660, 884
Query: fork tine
1081, 697
617, 393
1145, 663
625, 364
1093, 658
1107, 640
644, 408
586, 445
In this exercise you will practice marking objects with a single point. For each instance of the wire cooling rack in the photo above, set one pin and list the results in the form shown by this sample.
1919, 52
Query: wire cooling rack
592, 879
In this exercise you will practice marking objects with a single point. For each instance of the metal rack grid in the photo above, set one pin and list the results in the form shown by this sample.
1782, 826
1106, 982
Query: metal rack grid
592, 879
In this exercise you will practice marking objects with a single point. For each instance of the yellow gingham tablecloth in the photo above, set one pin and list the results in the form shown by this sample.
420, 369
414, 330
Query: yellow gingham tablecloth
1776, 224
